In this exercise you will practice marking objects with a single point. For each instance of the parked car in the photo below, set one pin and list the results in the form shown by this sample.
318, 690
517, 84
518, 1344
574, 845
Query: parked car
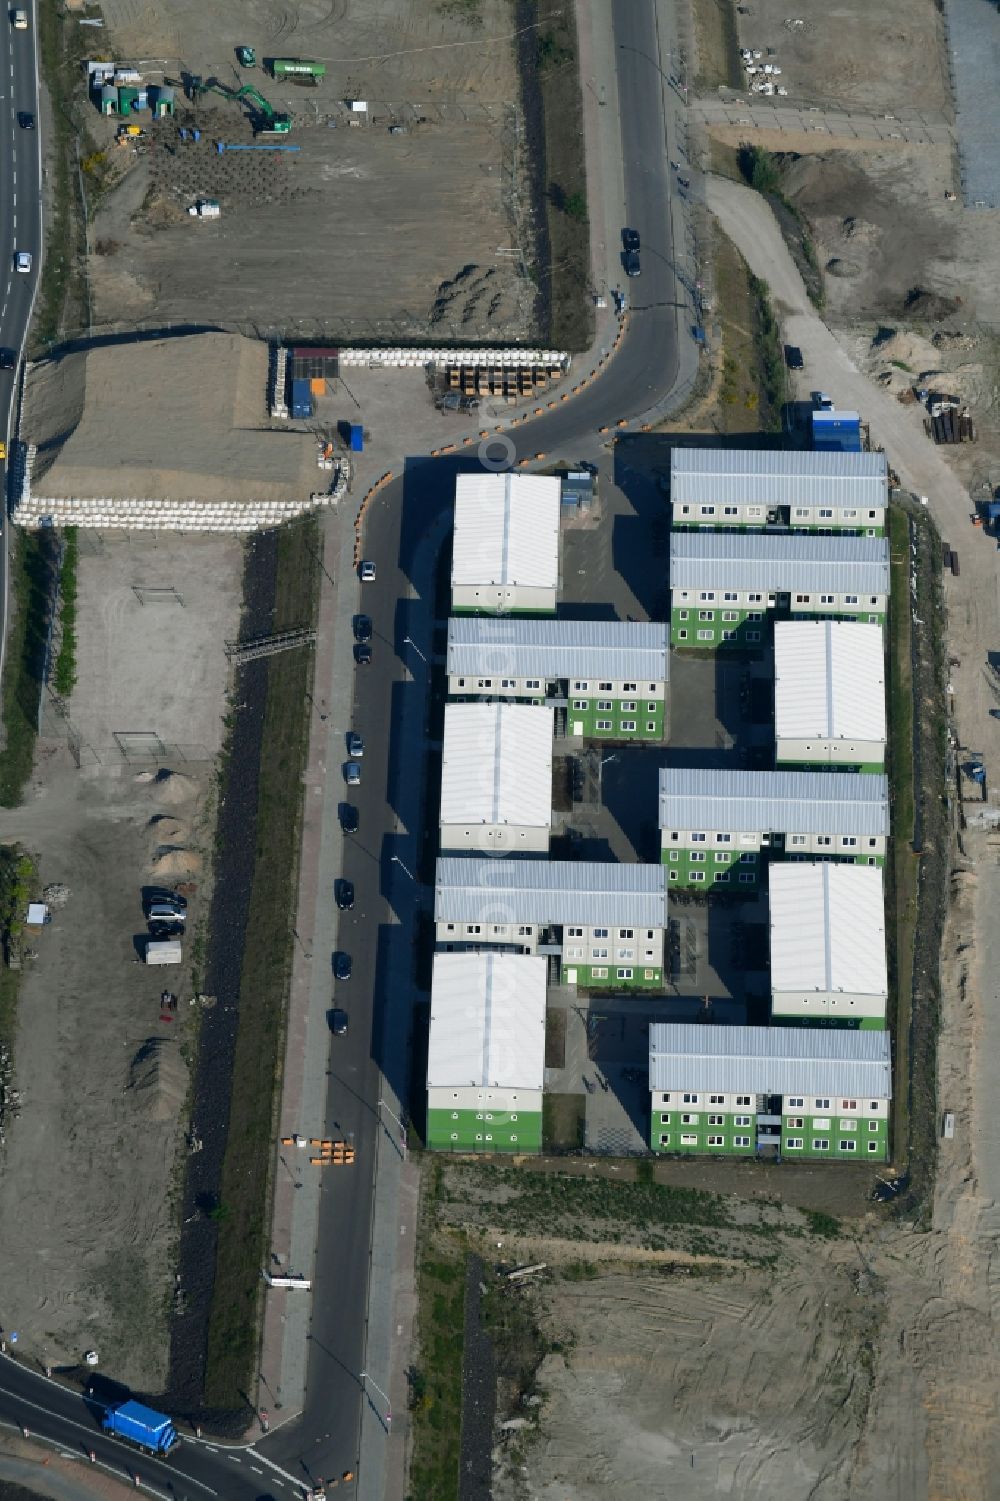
341, 965
355, 745
352, 773
338, 1022
349, 819
630, 260
630, 240
793, 357
165, 912
367, 572
362, 628
363, 654
161, 929
345, 895
164, 894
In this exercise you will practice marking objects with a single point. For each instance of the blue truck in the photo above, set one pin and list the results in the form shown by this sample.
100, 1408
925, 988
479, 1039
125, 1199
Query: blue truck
151, 1430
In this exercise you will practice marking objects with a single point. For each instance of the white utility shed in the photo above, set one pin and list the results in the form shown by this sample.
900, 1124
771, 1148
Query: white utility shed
496, 778
828, 959
505, 554
829, 693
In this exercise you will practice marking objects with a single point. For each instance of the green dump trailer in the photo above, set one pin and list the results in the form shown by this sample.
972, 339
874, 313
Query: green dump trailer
297, 67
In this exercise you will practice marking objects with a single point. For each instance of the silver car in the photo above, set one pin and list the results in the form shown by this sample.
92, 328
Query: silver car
368, 572
352, 774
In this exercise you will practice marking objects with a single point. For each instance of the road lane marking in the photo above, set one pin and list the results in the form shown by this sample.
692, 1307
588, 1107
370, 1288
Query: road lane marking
90, 1434
292, 1479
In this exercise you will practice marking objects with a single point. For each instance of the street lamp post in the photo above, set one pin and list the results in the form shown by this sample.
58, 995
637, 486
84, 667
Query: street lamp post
384, 1105
395, 860
388, 1405
409, 641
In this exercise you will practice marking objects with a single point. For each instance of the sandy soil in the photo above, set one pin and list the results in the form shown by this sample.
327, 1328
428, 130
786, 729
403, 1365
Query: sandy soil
89, 1175
296, 226
877, 58
179, 418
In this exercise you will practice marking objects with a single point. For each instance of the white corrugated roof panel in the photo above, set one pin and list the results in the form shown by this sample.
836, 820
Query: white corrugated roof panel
827, 928
616, 649
487, 1022
506, 530
770, 1060
550, 891
496, 765
778, 562
777, 478
774, 802
829, 680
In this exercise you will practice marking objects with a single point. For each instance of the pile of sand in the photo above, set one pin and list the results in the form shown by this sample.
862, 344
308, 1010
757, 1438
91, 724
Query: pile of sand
891, 344
157, 1080
173, 787
176, 863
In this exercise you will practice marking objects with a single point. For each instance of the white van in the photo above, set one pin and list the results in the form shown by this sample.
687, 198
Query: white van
163, 951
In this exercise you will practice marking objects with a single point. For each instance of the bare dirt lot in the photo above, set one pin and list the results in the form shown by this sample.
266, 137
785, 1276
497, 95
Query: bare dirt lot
310, 240
88, 1181
705, 1346
872, 58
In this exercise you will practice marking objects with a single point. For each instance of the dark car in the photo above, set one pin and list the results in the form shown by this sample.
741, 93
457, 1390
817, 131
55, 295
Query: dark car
630, 261
630, 240
25, 119
363, 654
349, 819
345, 896
362, 628
160, 929
341, 965
793, 357
162, 896
338, 1022
7, 359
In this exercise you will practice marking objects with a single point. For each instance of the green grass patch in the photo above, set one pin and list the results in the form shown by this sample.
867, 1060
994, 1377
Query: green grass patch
770, 355
64, 672
563, 1121
435, 1379
826, 1226
17, 877
33, 568
718, 49
62, 290
550, 79
242, 1211
901, 867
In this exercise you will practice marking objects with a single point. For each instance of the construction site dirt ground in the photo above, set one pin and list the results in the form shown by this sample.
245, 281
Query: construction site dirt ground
898, 249
364, 232
87, 1192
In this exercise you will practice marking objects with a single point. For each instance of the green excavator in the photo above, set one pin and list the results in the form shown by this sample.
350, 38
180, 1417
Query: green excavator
266, 119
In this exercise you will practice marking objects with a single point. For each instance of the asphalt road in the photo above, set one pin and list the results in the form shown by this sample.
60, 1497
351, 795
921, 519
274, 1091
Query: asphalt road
324, 1442
643, 372
20, 229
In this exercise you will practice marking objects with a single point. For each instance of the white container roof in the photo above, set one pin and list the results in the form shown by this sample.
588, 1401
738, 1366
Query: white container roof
774, 802
745, 476
770, 1060
827, 928
506, 531
496, 765
615, 649
829, 680
550, 891
779, 562
487, 1022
